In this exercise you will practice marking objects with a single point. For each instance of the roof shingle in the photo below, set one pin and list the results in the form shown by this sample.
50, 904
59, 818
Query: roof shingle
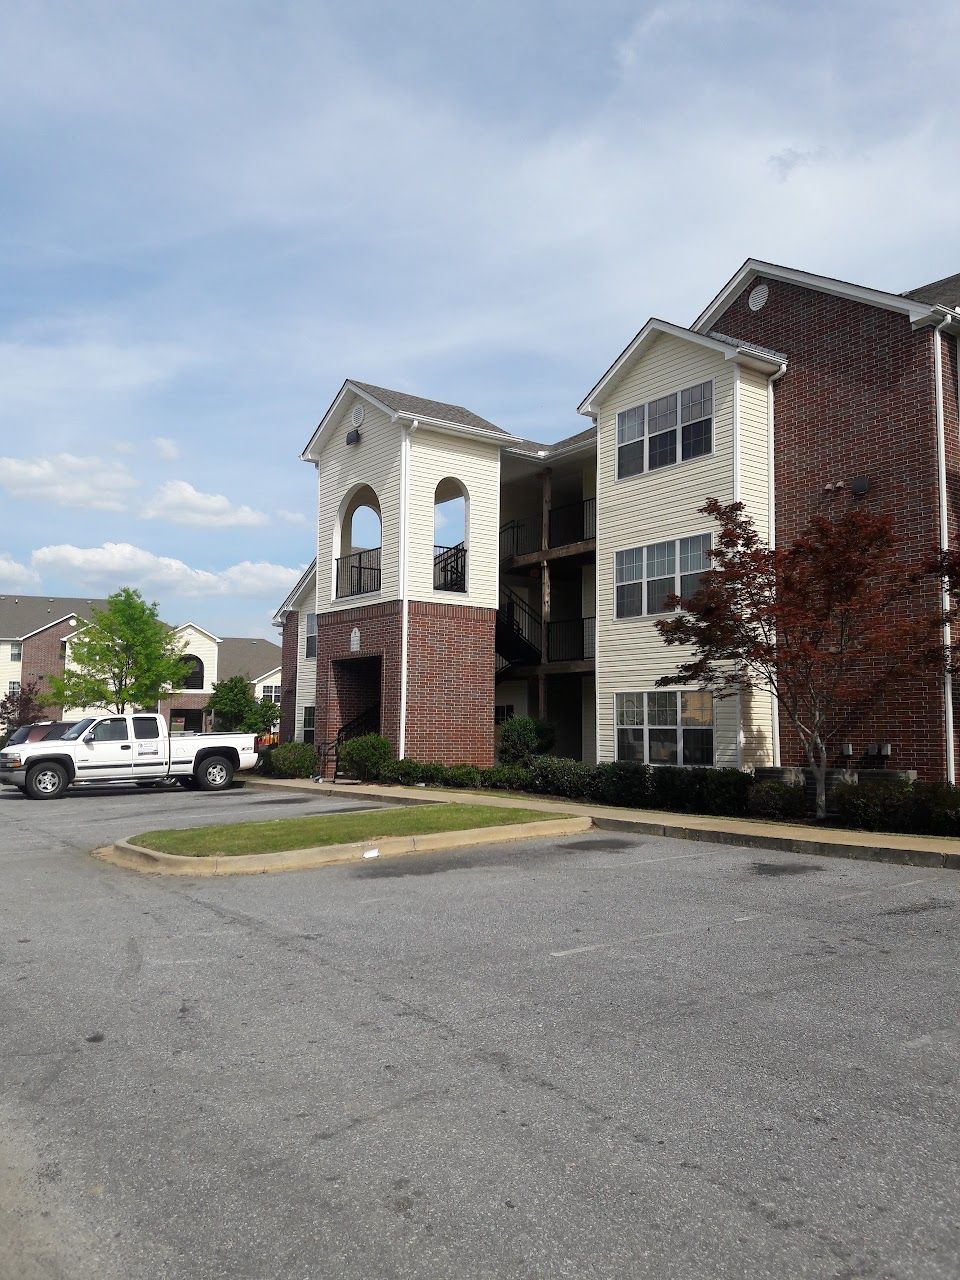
403, 402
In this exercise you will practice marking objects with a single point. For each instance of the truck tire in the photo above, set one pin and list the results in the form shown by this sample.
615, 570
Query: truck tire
214, 774
46, 781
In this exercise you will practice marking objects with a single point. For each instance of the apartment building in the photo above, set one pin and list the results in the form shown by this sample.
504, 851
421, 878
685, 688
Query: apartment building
791, 392
36, 634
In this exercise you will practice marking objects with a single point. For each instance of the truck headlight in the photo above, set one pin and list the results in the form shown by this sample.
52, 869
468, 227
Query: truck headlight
9, 761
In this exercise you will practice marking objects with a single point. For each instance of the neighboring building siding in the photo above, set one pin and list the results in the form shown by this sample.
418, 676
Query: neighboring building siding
857, 399
9, 670
288, 677
305, 689
202, 646
435, 456
374, 461
650, 508
42, 657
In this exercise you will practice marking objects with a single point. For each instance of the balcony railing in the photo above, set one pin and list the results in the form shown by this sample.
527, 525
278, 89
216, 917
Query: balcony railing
519, 537
450, 568
358, 574
573, 522
571, 640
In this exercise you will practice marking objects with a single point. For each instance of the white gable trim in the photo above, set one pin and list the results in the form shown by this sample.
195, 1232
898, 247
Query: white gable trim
312, 450
275, 671
647, 336
293, 600
81, 622
195, 627
754, 268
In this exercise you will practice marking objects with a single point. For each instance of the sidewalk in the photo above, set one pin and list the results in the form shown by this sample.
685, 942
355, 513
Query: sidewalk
831, 842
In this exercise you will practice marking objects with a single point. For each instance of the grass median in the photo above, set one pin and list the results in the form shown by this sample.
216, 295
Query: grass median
284, 834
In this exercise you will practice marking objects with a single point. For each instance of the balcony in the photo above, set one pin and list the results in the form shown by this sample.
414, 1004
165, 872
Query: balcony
572, 640
358, 574
568, 526
450, 568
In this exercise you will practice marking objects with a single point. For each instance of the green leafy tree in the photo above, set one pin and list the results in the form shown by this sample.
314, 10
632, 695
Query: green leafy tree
124, 657
236, 708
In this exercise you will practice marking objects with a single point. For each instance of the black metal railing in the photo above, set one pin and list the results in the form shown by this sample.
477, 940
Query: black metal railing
358, 573
450, 568
515, 614
573, 522
520, 537
366, 722
571, 640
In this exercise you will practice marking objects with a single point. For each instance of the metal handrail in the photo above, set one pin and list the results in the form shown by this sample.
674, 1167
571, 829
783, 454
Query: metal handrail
516, 613
358, 574
519, 537
571, 640
573, 522
450, 568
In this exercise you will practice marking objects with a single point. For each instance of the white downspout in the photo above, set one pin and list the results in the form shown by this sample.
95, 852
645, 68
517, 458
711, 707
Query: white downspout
404, 586
944, 538
772, 532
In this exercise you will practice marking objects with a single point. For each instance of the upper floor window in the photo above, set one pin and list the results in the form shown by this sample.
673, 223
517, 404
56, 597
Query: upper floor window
16, 651
357, 568
272, 691
194, 678
665, 726
646, 576
311, 649
647, 434
450, 518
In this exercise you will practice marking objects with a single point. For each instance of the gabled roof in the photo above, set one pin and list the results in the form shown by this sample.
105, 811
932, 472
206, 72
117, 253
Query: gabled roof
746, 353
195, 626
247, 656
754, 269
569, 444
292, 601
945, 292
22, 616
402, 405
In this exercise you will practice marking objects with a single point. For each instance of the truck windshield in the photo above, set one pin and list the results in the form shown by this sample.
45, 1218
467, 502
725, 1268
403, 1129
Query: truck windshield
79, 729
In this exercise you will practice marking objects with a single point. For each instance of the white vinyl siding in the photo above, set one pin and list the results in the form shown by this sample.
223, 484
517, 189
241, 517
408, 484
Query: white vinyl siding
306, 687
193, 641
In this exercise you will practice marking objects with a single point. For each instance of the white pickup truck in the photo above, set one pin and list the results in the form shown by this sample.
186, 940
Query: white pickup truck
129, 748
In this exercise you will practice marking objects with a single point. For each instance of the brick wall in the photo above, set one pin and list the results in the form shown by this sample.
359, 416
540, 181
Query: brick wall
450, 688
857, 400
182, 702
42, 658
289, 657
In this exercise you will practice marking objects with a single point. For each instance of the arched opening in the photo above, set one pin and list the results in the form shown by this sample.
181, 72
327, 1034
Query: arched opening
451, 521
357, 567
194, 678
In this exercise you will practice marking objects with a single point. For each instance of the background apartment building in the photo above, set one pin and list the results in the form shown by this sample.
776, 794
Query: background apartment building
793, 393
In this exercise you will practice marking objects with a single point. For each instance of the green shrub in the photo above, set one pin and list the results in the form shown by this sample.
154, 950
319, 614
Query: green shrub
292, 760
874, 804
466, 777
365, 757
777, 800
405, 772
523, 737
507, 777
935, 809
623, 783
433, 775
720, 792
555, 776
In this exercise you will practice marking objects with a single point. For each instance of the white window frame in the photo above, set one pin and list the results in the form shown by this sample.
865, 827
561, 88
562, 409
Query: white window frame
272, 691
308, 636
677, 575
677, 691
13, 688
644, 410
311, 728
16, 650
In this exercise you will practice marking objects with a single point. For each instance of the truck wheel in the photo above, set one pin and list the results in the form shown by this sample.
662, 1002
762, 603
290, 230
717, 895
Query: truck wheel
46, 781
214, 774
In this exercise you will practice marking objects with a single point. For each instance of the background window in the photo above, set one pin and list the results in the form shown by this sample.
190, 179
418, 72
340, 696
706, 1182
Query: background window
311, 651
665, 727
272, 691
13, 688
503, 713
630, 442
16, 651
696, 419
694, 561
194, 677
308, 725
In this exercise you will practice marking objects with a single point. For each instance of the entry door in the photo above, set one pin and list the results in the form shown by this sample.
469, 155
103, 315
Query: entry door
149, 749
110, 754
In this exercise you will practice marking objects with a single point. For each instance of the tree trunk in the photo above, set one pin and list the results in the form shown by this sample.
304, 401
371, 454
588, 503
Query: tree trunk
820, 776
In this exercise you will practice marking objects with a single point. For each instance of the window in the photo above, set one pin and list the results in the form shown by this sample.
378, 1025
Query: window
114, 730
503, 713
308, 723
145, 727
272, 691
194, 677
656, 446
665, 727
646, 576
16, 651
13, 689
311, 650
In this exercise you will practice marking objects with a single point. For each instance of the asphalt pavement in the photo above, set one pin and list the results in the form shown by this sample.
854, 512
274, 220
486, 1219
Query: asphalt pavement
607, 1056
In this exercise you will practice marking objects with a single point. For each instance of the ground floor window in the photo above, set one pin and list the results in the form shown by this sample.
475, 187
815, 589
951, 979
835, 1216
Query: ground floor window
308, 723
503, 713
665, 726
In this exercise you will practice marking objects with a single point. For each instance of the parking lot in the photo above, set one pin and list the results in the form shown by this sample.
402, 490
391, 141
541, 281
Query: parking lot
605, 1057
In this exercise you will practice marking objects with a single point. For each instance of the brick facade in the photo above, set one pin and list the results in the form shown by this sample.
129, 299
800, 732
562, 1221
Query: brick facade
450, 683
43, 657
289, 649
857, 399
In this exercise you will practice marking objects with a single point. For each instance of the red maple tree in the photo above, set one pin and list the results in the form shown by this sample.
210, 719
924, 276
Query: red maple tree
826, 623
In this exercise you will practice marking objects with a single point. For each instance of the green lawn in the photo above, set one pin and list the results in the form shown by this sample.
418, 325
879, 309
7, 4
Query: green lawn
333, 828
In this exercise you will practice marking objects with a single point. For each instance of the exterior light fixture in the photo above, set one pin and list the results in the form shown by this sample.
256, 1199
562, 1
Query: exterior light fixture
873, 749
847, 749
353, 436
885, 749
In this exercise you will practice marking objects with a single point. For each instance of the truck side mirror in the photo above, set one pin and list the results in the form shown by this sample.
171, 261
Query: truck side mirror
89, 738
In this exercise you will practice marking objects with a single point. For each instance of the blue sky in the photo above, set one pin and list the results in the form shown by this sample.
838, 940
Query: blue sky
213, 213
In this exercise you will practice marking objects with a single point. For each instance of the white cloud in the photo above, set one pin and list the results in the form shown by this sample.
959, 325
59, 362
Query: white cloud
168, 449
68, 481
14, 575
120, 563
179, 502
292, 517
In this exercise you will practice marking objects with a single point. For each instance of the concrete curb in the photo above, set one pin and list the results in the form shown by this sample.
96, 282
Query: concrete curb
136, 858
